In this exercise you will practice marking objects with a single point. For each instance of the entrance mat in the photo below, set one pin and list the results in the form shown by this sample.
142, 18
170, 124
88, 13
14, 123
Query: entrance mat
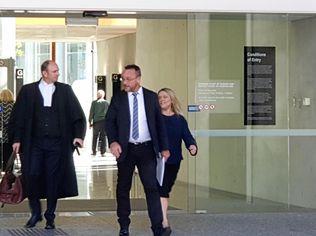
36, 232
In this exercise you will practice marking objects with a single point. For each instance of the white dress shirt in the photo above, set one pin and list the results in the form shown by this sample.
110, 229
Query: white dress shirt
144, 134
47, 91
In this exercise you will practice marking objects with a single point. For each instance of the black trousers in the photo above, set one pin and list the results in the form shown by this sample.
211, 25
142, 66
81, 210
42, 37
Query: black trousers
45, 162
143, 156
98, 132
7, 151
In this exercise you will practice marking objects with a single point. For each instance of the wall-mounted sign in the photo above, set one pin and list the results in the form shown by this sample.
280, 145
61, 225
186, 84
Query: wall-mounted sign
193, 108
19, 74
101, 83
259, 85
218, 96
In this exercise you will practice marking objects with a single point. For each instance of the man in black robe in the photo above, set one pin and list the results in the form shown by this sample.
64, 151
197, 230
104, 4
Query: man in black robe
47, 122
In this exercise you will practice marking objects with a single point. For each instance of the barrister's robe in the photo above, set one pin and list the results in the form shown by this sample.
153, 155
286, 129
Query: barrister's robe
72, 123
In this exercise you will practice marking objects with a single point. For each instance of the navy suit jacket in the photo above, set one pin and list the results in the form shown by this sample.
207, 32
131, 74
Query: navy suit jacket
117, 122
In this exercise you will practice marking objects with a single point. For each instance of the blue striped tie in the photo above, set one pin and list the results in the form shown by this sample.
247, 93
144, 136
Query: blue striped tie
135, 133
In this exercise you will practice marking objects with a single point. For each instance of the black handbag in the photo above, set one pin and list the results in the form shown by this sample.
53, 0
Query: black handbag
11, 185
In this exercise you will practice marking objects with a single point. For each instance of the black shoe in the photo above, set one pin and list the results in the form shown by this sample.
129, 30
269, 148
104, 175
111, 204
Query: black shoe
33, 221
124, 232
166, 231
94, 153
50, 224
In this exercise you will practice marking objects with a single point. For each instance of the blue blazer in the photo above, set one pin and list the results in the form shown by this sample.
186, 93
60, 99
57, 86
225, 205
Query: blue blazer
117, 122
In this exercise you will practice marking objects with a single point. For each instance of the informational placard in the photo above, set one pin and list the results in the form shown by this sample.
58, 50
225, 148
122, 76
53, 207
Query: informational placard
218, 96
259, 85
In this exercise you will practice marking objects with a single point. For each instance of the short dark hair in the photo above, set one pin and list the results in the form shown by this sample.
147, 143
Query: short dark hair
134, 67
45, 64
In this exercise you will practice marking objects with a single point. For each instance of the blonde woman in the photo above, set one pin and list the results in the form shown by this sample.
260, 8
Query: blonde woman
177, 130
6, 105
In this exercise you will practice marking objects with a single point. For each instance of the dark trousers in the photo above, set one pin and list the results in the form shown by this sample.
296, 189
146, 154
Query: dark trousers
98, 132
7, 151
45, 163
144, 158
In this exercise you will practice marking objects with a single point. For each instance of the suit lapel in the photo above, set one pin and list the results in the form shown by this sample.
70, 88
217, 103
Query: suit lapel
146, 102
125, 107
148, 110
37, 93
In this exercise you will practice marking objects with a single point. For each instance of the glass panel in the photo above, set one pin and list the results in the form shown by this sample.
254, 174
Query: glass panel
231, 173
269, 153
258, 167
302, 113
239, 168
76, 61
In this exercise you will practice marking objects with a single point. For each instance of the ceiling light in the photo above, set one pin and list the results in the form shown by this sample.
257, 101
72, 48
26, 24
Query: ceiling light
47, 12
122, 12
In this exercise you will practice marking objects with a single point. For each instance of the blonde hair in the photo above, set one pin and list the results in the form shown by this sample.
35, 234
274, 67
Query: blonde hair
175, 104
6, 96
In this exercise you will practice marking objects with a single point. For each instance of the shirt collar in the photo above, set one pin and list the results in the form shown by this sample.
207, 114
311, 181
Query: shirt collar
140, 92
43, 83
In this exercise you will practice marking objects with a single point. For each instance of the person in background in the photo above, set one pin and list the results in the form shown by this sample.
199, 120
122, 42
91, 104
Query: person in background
136, 133
6, 106
48, 123
97, 113
177, 130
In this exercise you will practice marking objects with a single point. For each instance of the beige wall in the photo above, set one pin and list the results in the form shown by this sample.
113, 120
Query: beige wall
161, 51
113, 55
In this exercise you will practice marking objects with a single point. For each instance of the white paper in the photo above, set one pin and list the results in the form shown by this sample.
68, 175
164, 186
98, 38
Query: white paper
160, 169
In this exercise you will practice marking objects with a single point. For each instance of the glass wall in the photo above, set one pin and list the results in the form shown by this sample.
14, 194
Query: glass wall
252, 78
246, 85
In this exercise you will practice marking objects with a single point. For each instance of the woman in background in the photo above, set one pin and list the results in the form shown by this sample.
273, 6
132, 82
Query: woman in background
6, 105
178, 130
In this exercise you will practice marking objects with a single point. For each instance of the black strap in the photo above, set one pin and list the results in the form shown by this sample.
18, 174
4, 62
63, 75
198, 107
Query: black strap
10, 163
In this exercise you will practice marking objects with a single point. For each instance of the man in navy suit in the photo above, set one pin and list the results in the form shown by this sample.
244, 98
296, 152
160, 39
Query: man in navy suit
136, 134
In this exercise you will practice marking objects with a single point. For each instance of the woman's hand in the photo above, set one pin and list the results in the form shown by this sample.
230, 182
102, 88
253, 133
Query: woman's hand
193, 150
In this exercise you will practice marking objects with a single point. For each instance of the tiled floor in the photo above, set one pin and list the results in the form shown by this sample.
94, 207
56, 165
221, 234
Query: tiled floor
182, 224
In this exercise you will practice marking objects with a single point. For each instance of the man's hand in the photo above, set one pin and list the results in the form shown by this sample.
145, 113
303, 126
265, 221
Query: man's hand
165, 154
16, 147
193, 150
78, 141
116, 149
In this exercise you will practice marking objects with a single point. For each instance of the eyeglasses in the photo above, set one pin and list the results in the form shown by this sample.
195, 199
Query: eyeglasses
128, 79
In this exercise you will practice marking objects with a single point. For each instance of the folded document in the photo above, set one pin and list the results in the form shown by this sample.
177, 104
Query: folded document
160, 169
